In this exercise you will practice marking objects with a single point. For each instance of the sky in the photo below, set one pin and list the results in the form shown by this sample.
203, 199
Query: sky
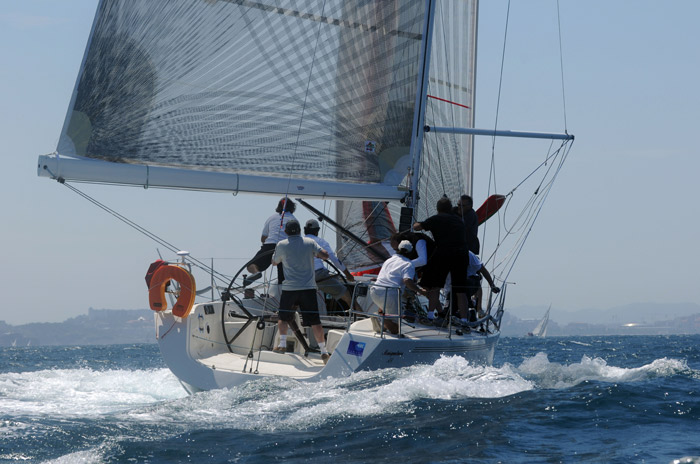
619, 227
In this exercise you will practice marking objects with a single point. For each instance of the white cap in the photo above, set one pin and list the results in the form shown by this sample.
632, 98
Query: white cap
406, 246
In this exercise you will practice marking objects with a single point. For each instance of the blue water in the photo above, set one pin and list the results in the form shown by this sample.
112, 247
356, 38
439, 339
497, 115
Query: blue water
584, 399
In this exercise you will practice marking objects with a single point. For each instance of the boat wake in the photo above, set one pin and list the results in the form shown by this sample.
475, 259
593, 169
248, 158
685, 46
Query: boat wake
546, 374
85, 393
154, 396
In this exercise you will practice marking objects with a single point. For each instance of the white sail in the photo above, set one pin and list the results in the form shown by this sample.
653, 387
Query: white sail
310, 98
540, 329
445, 159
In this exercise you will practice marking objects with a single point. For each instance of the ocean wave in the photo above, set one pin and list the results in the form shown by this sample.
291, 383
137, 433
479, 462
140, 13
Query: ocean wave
546, 374
277, 403
154, 397
84, 392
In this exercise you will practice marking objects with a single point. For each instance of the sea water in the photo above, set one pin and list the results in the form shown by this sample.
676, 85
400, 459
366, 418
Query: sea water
561, 399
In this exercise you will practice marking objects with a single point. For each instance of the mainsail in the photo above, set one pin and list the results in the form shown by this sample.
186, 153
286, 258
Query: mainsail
310, 98
320, 98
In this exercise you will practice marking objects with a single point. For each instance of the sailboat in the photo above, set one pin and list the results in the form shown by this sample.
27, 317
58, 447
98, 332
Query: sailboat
540, 329
365, 104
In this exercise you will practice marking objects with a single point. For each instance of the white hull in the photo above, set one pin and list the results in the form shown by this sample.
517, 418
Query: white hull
196, 352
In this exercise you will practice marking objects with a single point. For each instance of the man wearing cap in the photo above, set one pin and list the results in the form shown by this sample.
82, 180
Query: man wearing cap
297, 254
396, 273
331, 285
273, 232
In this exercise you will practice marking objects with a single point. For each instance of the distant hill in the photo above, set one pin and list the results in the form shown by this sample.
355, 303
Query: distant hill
115, 326
98, 327
625, 314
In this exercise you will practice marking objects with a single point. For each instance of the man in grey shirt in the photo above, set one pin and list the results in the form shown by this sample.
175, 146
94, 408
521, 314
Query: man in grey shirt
297, 253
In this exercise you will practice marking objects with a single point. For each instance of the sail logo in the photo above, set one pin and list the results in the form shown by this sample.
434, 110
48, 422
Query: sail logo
356, 348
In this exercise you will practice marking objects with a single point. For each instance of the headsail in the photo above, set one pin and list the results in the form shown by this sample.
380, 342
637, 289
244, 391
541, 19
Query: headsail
315, 97
541, 329
446, 159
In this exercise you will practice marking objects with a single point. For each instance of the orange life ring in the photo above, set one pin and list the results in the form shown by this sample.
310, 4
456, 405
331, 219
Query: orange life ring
156, 291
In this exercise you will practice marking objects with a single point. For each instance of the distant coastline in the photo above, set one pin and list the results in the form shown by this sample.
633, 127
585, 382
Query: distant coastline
98, 327
124, 326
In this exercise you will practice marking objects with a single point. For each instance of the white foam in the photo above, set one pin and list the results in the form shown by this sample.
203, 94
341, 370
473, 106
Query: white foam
96, 456
84, 392
155, 396
276, 403
553, 375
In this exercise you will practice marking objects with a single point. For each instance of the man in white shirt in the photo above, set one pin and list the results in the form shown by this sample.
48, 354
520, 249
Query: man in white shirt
332, 285
396, 273
273, 232
297, 253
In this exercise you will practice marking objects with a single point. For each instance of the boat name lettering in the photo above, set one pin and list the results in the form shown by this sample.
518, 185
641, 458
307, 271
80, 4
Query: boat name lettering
393, 353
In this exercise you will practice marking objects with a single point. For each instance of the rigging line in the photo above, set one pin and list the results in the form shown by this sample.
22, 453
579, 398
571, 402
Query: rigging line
554, 155
492, 177
534, 204
344, 231
492, 173
538, 210
306, 97
500, 78
533, 198
145, 231
492, 168
525, 237
561, 64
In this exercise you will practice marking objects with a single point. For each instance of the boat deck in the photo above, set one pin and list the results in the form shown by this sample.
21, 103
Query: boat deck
267, 363
296, 365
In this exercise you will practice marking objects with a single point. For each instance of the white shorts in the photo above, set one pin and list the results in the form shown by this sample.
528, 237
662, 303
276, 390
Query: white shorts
388, 299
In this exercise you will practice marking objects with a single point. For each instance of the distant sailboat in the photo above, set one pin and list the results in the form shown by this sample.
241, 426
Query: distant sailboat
541, 329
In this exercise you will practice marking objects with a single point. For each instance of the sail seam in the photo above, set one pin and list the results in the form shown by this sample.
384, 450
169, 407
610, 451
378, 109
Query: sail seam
325, 19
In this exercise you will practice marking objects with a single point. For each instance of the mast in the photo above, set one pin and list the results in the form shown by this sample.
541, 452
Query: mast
421, 97
475, 36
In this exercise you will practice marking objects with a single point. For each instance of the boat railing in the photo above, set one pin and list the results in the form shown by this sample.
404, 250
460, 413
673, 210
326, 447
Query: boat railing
391, 310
